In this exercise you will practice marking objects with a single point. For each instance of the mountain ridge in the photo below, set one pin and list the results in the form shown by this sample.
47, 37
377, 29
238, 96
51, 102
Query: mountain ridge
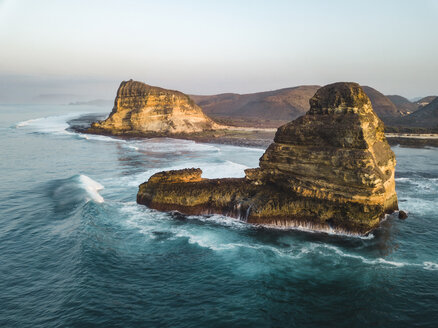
281, 105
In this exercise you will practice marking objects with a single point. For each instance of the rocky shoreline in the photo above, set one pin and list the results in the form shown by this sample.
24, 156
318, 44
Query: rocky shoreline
245, 137
412, 142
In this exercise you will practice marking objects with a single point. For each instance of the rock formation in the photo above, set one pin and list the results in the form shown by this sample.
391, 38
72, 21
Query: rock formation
141, 109
331, 169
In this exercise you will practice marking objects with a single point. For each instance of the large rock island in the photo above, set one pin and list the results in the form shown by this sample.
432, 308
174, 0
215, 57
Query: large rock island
144, 110
331, 169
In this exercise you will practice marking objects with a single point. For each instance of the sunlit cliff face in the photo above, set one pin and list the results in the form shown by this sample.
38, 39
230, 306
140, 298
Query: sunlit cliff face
141, 108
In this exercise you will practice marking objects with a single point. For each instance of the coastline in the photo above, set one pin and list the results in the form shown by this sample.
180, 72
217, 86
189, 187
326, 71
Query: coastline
412, 141
245, 137
256, 137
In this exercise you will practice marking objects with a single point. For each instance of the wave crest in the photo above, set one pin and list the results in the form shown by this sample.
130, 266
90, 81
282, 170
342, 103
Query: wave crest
76, 189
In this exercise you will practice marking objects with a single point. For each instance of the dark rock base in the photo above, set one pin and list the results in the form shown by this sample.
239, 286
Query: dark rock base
261, 204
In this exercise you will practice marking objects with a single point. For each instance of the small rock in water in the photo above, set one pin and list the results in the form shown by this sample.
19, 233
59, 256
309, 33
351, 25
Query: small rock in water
402, 215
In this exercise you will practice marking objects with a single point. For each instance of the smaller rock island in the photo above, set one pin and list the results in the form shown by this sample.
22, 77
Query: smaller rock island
144, 110
331, 169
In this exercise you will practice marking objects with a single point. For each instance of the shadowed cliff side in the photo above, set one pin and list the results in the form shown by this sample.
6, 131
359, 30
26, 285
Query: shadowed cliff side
331, 169
141, 109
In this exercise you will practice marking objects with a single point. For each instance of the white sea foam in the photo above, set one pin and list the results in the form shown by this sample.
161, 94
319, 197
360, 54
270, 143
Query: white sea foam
49, 124
91, 187
221, 220
309, 228
132, 147
216, 240
403, 179
363, 259
58, 125
170, 145
430, 266
95, 137
234, 148
143, 219
204, 239
25, 123
424, 185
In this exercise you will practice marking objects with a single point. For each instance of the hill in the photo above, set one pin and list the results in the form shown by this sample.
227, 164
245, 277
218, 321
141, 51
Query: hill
281, 105
425, 117
382, 105
425, 101
274, 108
404, 105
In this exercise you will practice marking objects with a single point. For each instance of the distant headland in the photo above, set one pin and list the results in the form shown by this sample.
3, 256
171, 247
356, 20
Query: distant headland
140, 108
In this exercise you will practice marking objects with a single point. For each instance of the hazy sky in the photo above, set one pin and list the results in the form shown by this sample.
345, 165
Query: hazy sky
87, 47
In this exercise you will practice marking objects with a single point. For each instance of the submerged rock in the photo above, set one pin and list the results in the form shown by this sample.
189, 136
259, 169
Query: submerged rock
331, 169
141, 109
402, 215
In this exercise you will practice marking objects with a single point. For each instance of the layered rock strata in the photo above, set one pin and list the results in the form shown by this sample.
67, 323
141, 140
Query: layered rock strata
141, 109
331, 169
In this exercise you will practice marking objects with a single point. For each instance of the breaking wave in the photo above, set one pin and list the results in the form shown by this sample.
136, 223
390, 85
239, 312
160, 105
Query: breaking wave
49, 124
75, 190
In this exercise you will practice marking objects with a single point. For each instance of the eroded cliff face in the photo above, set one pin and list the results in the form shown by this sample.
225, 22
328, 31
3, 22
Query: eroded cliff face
143, 109
331, 169
338, 151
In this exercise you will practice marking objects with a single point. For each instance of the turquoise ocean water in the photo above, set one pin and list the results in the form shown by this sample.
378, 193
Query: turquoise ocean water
77, 251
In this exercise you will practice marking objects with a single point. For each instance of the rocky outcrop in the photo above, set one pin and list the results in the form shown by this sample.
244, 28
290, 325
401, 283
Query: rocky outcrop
141, 109
331, 169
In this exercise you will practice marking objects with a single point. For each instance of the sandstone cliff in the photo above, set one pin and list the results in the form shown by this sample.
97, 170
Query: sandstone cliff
331, 169
141, 109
